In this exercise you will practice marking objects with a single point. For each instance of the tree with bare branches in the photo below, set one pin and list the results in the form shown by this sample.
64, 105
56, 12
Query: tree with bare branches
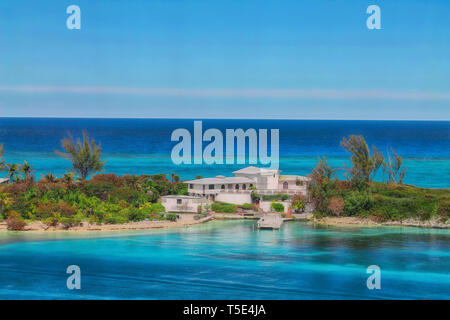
84, 155
392, 167
364, 164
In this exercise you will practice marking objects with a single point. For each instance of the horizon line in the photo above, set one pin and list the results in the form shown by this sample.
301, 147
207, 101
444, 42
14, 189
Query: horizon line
212, 118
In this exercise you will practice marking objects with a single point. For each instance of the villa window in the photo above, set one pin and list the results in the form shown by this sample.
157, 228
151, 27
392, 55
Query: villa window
237, 187
244, 187
222, 187
230, 186
191, 186
211, 187
285, 185
179, 201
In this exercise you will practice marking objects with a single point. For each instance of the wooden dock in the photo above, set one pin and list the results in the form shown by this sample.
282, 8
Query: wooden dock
270, 221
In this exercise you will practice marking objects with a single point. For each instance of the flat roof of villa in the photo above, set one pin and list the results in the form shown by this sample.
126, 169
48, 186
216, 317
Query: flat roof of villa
220, 180
291, 177
174, 196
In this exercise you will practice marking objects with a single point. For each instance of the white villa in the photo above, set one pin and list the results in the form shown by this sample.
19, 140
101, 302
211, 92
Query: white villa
237, 189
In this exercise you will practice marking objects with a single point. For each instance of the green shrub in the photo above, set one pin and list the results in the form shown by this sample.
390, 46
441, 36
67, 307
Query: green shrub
278, 196
15, 222
51, 221
99, 189
68, 222
114, 219
357, 202
278, 207
135, 214
222, 207
247, 206
443, 208
51, 209
155, 216
255, 197
157, 208
171, 217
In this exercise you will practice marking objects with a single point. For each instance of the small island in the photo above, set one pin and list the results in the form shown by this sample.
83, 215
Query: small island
107, 202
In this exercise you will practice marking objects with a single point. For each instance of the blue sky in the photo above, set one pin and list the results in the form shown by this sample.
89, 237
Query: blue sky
226, 59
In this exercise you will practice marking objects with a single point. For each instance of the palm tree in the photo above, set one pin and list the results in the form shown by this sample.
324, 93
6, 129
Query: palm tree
50, 177
84, 155
68, 177
13, 170
27, 170
4, 201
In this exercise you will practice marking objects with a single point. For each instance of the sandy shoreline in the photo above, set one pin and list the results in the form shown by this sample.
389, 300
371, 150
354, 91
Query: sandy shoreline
185, 220
188, 220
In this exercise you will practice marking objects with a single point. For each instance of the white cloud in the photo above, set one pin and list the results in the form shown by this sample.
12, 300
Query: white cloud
316, 94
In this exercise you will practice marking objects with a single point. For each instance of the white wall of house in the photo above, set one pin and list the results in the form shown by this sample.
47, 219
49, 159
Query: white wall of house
272, 181
181, 204
266, 180
235, 198
292, 185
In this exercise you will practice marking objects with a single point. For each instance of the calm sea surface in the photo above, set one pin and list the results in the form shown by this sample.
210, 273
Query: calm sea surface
229, 260
143, 146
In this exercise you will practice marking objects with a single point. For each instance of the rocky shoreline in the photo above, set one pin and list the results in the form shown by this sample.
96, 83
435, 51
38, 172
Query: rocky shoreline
352, 221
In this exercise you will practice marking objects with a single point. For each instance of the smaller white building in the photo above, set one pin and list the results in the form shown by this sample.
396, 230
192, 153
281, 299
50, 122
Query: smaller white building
179, 203
4, 180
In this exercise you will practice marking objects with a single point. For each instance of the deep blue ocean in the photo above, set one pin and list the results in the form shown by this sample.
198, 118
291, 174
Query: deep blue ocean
229, 260
143, 146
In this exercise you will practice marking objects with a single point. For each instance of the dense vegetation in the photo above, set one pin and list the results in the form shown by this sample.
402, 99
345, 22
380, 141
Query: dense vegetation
361, 196
106, 198
71, 199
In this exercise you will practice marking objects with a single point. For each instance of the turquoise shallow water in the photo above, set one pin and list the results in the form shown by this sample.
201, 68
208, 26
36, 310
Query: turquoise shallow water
229, 260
